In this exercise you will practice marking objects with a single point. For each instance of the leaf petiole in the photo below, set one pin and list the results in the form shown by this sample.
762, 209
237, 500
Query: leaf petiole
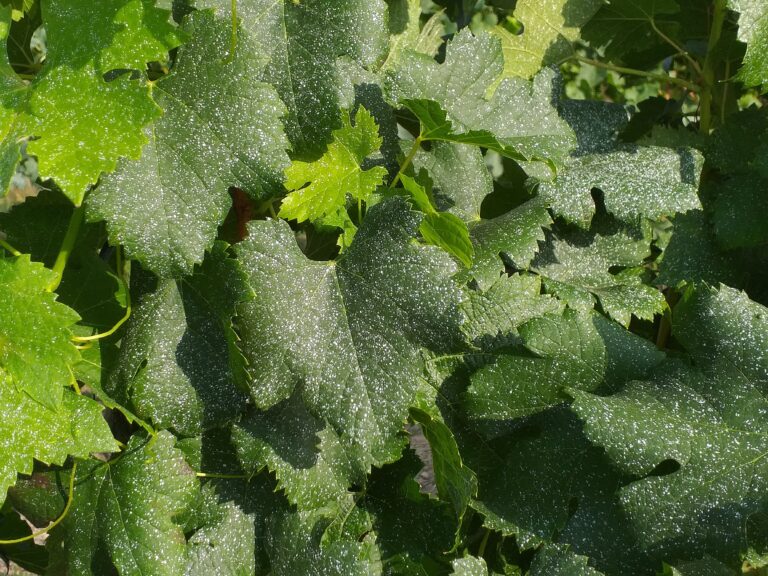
407, 162
67, 245
8, 248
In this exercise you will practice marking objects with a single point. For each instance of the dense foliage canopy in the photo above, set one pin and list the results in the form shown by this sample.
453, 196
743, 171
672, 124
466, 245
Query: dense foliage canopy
248, 248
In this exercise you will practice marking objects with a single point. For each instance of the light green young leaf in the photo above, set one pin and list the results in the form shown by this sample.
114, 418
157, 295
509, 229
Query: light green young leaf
441, 229
518, 120
345, 336
30, 431
406, 32
166, 208
126, 513
36, 350
337, 173
469, 566
549, 30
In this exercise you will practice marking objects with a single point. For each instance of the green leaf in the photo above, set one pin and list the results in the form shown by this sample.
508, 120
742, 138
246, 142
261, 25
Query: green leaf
337, 173
736, 227
578, 268
399, 514
309, 461
495, 313
451, 101
753, 30
35, 347
134, 33
579, 350
706, 566
166, 208
301, 544
441, 229
224, 546
511, 238
124, 513
693, 255
179, 366
12, 90
31, 430
459, 176
456, 483
469, 566
626, 26
549, 31
648, 181
557, 559
346, 336
302, 41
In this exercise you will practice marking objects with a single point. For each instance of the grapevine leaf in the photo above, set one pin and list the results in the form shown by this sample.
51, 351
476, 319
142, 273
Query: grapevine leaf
179, 366
12, 89
647, 181
299, 543
337, 173
693, 255
526, 490
548, 34
580, 350
406, 32
309, 461
367, 316
626, 26
712, 423
441, 229
753, 30
456, 483
737, 146
302, 41
513, 237
166, 208
124, 513
706, 566
577, 269
469, 566
224, 546
75, 149
557, 559
35, 347
495, 313
75, 428
450, 100
134, 33
399, 513
459, 175
736, 227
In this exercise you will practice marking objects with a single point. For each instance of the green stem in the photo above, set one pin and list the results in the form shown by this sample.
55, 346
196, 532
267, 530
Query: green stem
221, 476
484, 543
633, 72
708, 75
126, 316
407, 162
677, 47
8, 248
67, 245
55, 522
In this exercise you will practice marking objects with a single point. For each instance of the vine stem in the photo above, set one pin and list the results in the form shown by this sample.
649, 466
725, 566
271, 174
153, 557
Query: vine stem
121, 272
708, 76
67, 245
634, 72
221, 476
407, 162
56, 522
683, 52
483, 543
8, 248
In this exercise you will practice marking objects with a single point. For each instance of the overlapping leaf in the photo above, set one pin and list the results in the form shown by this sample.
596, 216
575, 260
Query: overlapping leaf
345, 336
30, 430
166, 208
753, 29
179, 366
125, 514
452, 101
